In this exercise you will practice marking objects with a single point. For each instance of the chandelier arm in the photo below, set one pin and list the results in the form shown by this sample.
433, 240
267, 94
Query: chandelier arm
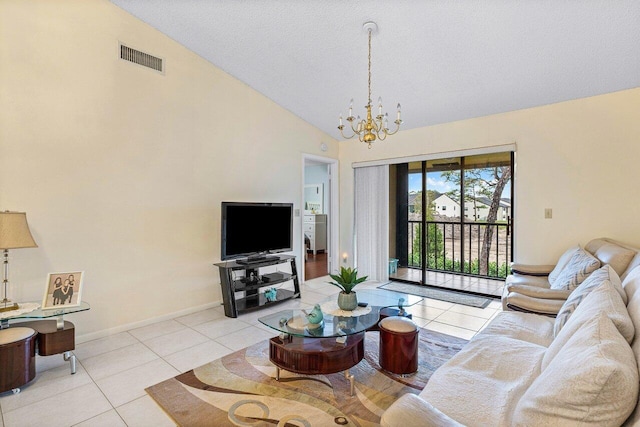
395, 131
343, 135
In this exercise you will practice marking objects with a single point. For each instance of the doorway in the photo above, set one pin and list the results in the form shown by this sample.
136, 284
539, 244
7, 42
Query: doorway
319, 215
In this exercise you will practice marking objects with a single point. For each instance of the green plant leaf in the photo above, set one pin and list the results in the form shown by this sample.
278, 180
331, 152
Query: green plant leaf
347, 279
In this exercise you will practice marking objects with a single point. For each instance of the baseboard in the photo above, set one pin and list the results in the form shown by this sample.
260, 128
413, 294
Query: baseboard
123, 328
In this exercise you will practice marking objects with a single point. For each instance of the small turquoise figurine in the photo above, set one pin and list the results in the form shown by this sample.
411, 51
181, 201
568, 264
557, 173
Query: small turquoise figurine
271, 294
400, 306
315, 316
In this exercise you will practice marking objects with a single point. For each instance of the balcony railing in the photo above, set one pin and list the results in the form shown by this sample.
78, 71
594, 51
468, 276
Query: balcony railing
456, 248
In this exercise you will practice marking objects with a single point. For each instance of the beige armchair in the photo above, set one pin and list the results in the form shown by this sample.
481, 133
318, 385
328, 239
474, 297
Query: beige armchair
536, 288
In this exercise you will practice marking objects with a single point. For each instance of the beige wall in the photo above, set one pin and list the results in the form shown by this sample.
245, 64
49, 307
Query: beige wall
579, 158
121, 170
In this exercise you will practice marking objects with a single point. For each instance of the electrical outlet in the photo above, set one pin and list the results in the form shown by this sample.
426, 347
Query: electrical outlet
548, 213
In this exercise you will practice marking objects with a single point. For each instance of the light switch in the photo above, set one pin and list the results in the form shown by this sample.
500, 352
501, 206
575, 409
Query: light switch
296, 212
548, 214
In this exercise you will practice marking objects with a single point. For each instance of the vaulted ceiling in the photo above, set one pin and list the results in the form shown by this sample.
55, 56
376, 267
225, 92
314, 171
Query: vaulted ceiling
443, 60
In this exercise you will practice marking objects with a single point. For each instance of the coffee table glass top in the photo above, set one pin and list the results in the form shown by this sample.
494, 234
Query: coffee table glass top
54, 312
385, 298
294, 321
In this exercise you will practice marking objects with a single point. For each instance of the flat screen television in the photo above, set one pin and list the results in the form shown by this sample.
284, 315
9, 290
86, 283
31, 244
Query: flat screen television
254, 230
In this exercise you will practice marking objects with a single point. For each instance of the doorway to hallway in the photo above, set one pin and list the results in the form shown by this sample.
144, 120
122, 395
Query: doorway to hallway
318, 217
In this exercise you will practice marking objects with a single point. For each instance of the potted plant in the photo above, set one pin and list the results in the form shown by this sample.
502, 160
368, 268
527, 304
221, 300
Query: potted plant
346, 281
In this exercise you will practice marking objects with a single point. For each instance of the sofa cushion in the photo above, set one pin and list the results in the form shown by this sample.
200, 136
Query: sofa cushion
581, 264
519, 302
595, 244
528, 327
631, 285
616, 256
635, 262
413, 411
598, 277
592, 381
500, 367
562, 262
603, 299
518, 279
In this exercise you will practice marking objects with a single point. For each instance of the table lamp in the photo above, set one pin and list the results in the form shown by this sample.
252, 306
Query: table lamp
14, 234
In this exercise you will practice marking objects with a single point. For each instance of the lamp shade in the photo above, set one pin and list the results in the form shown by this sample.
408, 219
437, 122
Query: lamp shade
14, 231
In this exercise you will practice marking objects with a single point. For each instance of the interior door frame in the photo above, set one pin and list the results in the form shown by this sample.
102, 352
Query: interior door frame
333, 213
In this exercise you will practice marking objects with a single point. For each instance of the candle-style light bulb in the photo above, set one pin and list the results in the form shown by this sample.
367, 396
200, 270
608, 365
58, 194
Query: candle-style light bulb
380, 106
351, 108
340, 119
386, 121
398, 118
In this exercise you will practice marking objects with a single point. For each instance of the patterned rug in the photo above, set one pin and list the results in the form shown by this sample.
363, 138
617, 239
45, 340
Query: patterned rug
439, 294
240, 389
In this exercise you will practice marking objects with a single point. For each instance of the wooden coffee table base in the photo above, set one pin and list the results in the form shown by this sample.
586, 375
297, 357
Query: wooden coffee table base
316, 356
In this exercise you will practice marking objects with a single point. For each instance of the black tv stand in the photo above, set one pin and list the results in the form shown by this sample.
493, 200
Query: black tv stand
252, 280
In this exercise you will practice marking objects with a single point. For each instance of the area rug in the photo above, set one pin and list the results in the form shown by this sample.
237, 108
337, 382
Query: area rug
240, 389
439, 294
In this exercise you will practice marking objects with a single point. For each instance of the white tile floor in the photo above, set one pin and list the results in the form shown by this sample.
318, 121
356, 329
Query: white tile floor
108, 388
456, 282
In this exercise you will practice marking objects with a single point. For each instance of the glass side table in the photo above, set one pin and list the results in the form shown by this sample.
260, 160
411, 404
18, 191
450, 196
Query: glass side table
55, 335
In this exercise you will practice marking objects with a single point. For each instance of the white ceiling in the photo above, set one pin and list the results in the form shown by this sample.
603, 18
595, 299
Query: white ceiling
443, 60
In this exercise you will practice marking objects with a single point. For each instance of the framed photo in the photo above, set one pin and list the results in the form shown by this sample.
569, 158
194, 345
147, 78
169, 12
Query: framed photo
63, 290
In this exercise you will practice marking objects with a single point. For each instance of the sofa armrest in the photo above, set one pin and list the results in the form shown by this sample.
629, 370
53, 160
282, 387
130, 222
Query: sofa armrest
413, 411
531, 270
518, 302
538, 292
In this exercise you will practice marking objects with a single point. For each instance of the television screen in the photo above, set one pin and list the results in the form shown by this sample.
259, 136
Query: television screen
256, 228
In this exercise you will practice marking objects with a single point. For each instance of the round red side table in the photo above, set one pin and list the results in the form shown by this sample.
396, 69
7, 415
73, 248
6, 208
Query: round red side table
398, 345
17, 358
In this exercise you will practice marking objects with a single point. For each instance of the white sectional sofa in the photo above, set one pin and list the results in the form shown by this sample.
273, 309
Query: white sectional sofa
539, 288
524, 369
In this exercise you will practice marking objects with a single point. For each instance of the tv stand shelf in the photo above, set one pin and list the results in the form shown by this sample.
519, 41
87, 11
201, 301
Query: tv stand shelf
252, 281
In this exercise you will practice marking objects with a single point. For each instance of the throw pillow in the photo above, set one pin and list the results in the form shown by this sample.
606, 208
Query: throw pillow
594, 280
593, 381
581, 264
562, 263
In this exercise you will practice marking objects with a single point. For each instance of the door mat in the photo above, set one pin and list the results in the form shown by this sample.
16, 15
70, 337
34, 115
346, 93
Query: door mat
439, 294
240, 388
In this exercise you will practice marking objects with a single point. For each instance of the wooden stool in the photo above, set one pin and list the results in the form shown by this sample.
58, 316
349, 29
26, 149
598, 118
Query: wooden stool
54, 337
17, 358
398, 345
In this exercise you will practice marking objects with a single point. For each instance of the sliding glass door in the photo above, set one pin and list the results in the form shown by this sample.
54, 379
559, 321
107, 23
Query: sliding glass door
452, 215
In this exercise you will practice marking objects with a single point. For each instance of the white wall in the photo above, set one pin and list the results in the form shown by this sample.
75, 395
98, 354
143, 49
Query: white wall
579, 158
121, 170
452, 209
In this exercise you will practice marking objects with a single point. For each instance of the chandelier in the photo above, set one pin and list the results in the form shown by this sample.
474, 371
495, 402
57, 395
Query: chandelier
370, 129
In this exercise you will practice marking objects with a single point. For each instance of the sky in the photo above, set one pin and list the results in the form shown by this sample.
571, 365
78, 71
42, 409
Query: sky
436, 182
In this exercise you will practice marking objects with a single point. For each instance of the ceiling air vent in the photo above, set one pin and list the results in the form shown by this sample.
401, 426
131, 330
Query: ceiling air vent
141, 58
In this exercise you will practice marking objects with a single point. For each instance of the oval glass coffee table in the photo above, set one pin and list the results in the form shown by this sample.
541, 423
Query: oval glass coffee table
334, 345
